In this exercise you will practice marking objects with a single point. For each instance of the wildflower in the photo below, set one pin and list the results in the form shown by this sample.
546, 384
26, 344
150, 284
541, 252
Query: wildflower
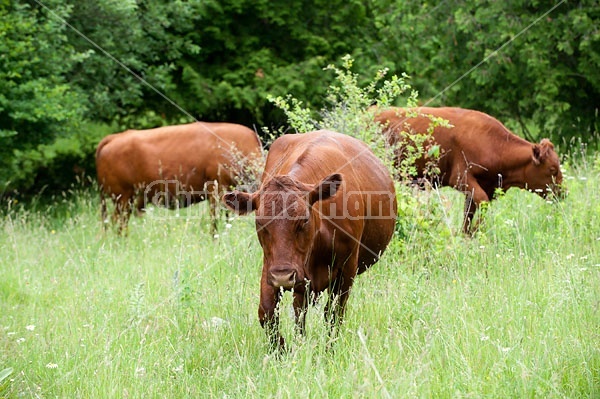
570, 256
53, 232
30, 327
178, 369
52, 366
216, 236
228, 226
214, 322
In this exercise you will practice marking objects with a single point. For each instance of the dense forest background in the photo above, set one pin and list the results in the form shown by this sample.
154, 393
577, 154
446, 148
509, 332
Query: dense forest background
73, 71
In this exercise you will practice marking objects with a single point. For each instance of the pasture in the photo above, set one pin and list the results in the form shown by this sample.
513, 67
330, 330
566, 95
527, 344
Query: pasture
170, 312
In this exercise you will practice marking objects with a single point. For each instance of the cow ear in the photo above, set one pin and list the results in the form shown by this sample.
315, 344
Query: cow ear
547, 144
239, 202
327, 188
537, 153
541, 151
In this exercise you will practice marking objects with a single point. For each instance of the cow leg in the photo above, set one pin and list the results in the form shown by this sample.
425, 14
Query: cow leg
213, 201
122, 213
140, 204
336, 303
339, 292
300, 307
213, 214
475, 195
268, 315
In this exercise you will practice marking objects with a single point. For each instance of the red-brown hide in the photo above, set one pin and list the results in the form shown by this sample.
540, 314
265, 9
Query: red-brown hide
325, 212
172, 165
477, 154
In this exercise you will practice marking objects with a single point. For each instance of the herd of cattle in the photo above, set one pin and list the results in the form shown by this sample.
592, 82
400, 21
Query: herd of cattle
325, 208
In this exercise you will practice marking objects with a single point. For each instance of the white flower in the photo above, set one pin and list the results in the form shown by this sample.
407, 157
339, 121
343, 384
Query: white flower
30, 327
214, 322
52, 366
228, 226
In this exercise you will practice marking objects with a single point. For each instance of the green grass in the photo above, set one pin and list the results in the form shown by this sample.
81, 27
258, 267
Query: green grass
171, 312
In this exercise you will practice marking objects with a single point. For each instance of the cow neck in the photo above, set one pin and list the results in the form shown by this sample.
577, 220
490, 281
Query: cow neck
516, 158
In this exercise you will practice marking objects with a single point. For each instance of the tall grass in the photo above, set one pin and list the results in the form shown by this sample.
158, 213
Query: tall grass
170, 311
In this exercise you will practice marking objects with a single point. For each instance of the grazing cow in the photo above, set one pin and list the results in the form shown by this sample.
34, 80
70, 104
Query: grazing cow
325, 212
477, 154
176, 165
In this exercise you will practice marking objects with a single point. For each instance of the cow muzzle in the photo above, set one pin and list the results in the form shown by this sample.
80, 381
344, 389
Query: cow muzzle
555, 192
283, 278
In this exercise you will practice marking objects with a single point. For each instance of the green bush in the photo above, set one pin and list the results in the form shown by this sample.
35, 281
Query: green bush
350, 110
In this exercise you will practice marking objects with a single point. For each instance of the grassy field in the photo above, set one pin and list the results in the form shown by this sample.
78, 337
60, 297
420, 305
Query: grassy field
170, 312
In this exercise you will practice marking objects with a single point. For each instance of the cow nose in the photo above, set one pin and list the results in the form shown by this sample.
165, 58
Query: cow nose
556, 192
282, 278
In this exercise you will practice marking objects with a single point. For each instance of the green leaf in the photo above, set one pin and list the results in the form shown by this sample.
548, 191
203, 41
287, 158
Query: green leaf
5, 373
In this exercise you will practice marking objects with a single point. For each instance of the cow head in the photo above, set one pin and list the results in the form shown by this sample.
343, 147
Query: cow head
286, 224
543, 174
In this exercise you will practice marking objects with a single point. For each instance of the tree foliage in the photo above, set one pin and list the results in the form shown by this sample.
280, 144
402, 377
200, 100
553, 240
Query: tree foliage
533, 64
71, 72
38, 104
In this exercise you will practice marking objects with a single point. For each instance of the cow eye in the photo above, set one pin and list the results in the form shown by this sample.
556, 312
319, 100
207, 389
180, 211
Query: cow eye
553, 171
302, 225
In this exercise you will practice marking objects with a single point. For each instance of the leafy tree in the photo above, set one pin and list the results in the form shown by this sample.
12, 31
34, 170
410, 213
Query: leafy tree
66, 65
250, 49
37, 103
133, 47
542, 59
71, 72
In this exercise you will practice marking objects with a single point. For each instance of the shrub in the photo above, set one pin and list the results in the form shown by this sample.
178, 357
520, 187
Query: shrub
350, 110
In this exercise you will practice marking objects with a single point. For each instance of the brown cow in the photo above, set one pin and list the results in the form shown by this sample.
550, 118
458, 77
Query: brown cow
477, 154
325, 212
177, 165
